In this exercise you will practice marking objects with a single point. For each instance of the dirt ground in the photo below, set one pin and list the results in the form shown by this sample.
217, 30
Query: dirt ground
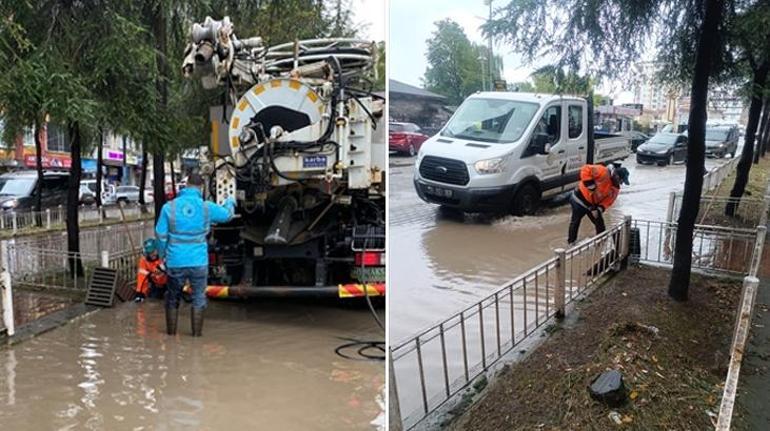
673, 357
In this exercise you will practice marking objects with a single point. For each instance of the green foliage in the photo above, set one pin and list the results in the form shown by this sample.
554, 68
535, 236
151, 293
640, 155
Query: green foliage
455, 63
379, 85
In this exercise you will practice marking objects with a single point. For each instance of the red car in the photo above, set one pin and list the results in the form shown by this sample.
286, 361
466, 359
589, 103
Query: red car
405, 138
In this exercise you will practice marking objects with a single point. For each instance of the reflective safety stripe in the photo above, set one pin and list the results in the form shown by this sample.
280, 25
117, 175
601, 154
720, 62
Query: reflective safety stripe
198, 239
143, 271
172, 217
205, 216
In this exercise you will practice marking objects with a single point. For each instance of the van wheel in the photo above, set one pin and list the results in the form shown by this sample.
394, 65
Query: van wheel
526, 201
732, 155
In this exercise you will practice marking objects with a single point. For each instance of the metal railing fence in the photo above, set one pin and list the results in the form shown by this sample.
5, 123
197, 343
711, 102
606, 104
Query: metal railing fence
713, 178
749, 212
436, 364
715, 248
55, 218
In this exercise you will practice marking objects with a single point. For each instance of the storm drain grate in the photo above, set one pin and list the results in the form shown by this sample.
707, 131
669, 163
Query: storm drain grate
102, 287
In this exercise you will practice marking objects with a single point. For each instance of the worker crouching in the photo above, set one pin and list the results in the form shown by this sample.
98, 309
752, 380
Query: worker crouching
598, 188
151, 277
182, 228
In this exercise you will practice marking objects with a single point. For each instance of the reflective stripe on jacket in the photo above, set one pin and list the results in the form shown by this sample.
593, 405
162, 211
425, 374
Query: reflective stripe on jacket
183, 226
596, 186
148, 273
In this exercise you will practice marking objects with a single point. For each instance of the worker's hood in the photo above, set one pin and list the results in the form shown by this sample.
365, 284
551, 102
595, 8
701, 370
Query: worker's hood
465, 150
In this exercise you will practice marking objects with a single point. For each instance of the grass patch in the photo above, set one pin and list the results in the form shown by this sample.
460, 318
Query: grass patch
673, 357
747, 213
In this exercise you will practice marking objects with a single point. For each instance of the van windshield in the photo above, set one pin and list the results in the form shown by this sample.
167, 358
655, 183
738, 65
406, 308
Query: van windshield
17, 187
490, 120
716, 134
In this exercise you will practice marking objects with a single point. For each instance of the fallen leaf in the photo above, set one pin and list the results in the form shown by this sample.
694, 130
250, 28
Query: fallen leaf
633, 395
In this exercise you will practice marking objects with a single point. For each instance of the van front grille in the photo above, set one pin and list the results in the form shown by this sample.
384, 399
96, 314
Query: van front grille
443, 170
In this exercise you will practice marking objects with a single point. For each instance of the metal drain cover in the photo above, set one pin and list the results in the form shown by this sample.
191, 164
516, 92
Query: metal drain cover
101, 290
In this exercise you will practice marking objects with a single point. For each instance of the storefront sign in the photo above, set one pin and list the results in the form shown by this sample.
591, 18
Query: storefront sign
60, 162
114, 156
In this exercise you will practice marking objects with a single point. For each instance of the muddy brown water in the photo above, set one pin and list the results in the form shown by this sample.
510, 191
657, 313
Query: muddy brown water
441, 263
267, 365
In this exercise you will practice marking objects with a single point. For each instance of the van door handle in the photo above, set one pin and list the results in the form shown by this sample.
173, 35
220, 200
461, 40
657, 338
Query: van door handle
581, 148
560, 152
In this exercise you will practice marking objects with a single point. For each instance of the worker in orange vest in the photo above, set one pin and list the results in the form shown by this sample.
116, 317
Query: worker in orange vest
151, 274
598, 188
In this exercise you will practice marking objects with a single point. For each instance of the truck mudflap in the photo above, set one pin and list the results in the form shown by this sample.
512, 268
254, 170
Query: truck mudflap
351, 290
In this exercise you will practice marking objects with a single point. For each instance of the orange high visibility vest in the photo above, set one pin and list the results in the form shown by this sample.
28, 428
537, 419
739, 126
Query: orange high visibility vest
604, 192
148, 273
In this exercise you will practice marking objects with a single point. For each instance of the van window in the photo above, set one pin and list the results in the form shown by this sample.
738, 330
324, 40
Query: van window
490, 120
550, 124
575, 125
53, 186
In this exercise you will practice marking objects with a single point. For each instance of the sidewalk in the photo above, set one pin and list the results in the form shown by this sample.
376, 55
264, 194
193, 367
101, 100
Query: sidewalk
754, 387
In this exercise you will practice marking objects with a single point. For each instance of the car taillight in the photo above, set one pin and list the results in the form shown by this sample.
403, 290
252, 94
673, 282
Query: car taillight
397, 136
370, 258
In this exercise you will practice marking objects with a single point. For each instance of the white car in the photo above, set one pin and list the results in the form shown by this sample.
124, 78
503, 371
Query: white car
504, 151
129, 194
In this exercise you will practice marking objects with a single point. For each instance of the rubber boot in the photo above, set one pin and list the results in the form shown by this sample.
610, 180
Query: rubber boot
196, 318
172, 315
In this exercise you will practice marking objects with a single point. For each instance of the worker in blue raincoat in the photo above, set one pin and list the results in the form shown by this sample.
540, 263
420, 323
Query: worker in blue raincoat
182, 228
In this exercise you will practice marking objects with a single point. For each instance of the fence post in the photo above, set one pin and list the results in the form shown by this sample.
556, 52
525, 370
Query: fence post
101, 214
7, 288
561, 281
48, 218
105, 259
394, 410
625, 246
759, 246
141, 233
671, 204
14, 222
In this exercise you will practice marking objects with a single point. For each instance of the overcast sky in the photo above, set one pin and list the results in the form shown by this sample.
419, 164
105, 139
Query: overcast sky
370, 16
412, 23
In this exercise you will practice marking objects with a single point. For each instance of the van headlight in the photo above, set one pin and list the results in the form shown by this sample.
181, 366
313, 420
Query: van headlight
490, 166
10, 204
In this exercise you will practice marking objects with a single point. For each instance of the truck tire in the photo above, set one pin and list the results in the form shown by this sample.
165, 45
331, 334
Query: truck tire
526, 201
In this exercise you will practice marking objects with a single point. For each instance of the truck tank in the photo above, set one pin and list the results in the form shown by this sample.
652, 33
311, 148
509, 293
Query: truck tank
301, 147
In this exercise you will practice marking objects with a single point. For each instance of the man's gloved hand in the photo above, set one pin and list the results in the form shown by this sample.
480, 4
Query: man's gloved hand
139, 297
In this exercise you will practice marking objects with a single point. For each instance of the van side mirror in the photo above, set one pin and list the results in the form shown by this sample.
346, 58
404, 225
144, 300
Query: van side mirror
541, 143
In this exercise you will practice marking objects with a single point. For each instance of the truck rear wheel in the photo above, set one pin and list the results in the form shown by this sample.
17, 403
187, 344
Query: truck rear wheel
526, 201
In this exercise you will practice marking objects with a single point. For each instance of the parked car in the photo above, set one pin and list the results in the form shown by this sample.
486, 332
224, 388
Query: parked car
663, 149
637, 138
405, 138
107, 189
17, 189
721, 140
87, 197
126, 194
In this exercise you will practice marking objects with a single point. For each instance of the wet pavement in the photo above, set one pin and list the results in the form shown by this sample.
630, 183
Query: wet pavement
266, 365
444, 262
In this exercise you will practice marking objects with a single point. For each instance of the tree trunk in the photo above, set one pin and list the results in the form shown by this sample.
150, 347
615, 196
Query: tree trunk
158, 171
39, 166
173, 178
99, 167
143, 178
73, 227
760, 131
765, 127
696, 148
747, 155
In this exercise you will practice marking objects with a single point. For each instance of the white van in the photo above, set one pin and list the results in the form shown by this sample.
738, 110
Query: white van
503, 152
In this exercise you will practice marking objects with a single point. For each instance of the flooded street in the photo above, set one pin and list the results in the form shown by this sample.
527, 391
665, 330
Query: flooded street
267, 365
445, 262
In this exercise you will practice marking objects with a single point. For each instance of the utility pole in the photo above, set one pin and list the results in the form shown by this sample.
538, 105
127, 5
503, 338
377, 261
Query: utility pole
491, 56
483, 75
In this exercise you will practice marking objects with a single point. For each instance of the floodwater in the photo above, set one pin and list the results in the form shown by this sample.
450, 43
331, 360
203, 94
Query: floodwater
268, 365
441, 263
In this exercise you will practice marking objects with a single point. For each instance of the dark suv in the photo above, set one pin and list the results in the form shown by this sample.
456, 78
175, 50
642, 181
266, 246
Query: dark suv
721, 140
17, 190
